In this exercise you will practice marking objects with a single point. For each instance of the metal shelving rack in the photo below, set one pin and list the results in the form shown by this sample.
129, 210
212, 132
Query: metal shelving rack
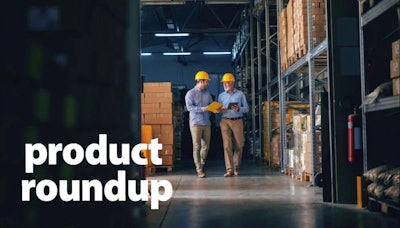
381, 103
254, 72
266, 48
254, 55
308, 62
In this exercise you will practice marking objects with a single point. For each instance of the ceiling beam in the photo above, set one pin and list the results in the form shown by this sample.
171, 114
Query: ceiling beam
195, 31
181, 2
162, 2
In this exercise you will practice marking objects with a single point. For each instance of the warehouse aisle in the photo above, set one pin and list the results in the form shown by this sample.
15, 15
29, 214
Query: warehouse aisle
256, 198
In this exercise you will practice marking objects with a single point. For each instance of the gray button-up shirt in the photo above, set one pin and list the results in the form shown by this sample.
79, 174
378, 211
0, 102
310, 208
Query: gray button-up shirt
237, 96
196, 100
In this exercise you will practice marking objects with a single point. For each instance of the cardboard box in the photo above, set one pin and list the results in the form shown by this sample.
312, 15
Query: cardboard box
164, 133
319, 20
156, 118
162, 97
167, 129
282, 25
165, 108
150, 108
157, 108
396, 86
156, 130
156, 87
290, 29
396, 49
395, 68
167, 160
166, 150
150, 170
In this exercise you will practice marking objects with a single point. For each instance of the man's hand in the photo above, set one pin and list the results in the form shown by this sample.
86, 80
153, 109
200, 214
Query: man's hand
223, 109
235, 108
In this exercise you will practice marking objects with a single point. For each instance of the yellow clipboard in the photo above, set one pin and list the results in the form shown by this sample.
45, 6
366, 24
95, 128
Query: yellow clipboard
214, 106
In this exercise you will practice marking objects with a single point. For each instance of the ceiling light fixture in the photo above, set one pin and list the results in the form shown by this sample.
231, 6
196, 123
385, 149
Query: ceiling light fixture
177, 53
145, 54
176, 46
216, 53
171, 34
170, 24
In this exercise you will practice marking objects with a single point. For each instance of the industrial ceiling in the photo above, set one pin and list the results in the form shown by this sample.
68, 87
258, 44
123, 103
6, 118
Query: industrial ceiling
212, 25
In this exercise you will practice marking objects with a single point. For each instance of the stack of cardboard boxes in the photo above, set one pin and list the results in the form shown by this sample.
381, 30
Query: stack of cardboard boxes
293, 29
156, 105
300, 19
395, 67
283, 36
290, 34
272, 139
303, 160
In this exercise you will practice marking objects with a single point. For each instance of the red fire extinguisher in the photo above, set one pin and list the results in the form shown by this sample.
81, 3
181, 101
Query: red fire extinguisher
354, 135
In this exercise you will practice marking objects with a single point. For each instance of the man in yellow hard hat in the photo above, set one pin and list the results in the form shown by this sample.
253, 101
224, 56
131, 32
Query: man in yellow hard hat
234, 105
197, 99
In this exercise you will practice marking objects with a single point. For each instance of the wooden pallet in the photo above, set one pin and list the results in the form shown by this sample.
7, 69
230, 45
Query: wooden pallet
301, 51
149, 170
167, 168
373, 2
386, 208
289, 171
292, 59
365, 5
298, 177
284, 66
307, 177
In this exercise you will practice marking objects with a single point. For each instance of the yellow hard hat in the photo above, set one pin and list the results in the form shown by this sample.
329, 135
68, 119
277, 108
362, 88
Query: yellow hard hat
228, 77
201, 75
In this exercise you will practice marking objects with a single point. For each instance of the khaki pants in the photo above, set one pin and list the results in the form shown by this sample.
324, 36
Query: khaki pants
201, 143
233, 141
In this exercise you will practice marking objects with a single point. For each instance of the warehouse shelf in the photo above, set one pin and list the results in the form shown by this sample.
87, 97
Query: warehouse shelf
304, 78
382, 115
365, 18
384, 108
376, 11
290, 85
384, 104
305, 71
314, 53
278, 86
266, 80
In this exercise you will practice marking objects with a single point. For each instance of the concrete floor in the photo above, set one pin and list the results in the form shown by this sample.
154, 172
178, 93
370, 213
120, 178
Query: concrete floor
258, 197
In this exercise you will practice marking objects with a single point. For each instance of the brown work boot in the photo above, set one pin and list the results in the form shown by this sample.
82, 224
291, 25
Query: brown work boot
201, 174
228, 174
